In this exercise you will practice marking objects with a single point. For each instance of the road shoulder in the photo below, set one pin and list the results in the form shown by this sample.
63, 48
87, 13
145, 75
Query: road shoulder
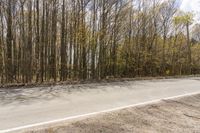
174, 115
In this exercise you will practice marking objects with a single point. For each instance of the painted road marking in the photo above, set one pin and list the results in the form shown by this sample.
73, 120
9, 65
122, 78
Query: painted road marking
94, 113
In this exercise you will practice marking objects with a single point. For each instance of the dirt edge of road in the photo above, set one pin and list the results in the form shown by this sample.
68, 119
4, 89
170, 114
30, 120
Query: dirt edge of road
75, 82
180, 115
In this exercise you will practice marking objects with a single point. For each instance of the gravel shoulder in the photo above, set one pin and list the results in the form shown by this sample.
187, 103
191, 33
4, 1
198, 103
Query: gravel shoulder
180, 115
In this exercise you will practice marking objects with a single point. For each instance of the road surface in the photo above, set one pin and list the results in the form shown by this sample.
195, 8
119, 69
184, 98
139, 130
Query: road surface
176, 115
23, 107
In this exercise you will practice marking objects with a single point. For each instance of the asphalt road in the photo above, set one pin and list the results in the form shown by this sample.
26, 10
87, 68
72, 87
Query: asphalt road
23, 107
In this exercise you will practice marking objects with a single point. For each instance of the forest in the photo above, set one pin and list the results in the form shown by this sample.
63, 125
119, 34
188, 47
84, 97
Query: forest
60, 40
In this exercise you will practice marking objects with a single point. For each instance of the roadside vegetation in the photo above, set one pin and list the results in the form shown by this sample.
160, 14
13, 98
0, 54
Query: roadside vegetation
60, 40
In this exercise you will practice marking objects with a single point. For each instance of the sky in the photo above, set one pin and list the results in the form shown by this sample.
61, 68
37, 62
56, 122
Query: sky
192, 6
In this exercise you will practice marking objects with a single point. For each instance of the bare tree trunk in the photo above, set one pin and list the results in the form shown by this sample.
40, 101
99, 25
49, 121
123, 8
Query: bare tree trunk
9, 40
63, 46
29, 45
189, 48
53, 69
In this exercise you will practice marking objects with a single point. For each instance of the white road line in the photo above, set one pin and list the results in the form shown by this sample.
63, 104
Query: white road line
94, 113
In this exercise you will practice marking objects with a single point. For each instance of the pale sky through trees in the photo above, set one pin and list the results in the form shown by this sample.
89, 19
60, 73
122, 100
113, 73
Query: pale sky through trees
192, 5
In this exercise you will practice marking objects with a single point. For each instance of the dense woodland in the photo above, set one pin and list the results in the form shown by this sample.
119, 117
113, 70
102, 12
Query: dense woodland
59, 40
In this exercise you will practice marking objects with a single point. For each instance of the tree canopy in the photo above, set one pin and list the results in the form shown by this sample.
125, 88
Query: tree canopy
59, 40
